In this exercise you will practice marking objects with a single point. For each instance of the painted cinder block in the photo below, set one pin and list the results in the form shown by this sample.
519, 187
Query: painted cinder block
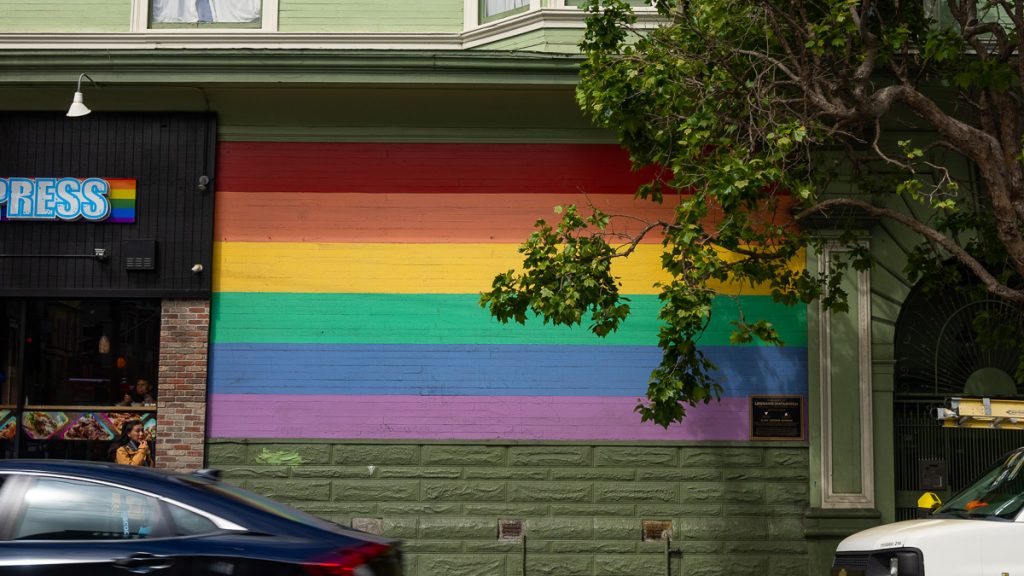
419, 472
376, 454
635, 564
503, 473
550, 492
785, 529
289, 454
600, 509
419, 509
232, 473
400, 527
637, 456
592, 547
787, 493
679, 475
561, 564
461, 565
657, 511
451, 491
761, 511
721, 493
333, 472
464, 455
612, 474
697, 565
511, 510
723, 529
291, 489
375, 491
457, 528
550, 456
224, 453
766, 474
646, 492
795, 457
560, 528
715, 456
617, 529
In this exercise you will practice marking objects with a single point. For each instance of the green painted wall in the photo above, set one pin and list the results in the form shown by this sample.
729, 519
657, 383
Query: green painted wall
65, 15
735, 509
375, 16
845, 390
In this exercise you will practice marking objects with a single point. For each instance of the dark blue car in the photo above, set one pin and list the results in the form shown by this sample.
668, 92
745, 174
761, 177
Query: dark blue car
83, 518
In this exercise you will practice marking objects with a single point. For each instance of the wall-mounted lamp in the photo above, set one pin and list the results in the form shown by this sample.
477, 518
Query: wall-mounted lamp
197, 268
104, 345
78, 108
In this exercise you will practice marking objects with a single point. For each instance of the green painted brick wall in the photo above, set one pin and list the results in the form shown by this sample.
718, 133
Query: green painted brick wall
735, 510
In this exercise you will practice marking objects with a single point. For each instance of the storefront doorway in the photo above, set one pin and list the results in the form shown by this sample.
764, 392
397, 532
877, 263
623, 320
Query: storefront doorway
70, 373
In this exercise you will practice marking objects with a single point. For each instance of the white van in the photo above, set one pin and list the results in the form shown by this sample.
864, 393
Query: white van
979, 532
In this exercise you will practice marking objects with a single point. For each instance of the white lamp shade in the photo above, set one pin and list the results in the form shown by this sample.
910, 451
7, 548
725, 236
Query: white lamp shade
77, 107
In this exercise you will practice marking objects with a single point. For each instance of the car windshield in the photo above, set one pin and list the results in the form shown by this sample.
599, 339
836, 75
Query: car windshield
999, 493
263, 503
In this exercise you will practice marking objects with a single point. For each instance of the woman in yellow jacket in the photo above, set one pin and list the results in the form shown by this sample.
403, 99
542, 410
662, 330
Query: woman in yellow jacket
131, 447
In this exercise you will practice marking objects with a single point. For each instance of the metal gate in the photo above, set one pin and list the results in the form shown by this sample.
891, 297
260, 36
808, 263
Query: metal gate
949, 342
925, 452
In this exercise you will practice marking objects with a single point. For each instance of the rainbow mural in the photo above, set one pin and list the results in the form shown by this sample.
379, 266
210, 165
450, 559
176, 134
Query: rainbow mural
122, 200
347, 279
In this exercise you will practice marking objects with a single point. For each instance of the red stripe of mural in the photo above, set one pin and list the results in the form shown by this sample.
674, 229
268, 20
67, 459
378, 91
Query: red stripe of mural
424, 168
420, 218
411, 218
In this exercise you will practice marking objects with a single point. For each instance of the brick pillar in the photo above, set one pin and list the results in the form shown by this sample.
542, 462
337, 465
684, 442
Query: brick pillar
181, 385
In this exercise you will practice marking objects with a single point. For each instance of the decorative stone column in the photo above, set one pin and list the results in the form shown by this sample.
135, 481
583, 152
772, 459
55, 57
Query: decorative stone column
181, 385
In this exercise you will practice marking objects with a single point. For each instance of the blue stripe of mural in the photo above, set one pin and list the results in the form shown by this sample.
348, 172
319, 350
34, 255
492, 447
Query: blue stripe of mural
467, 370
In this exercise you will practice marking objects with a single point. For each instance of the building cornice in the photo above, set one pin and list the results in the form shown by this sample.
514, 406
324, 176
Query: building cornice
292, 66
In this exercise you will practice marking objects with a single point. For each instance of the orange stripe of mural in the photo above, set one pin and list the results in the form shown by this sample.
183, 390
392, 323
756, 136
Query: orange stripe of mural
416, 218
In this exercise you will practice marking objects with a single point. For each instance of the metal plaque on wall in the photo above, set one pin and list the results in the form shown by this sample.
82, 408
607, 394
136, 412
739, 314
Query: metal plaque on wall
777, 417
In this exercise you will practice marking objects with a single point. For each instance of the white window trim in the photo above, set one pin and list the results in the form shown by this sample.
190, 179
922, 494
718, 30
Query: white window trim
140, 21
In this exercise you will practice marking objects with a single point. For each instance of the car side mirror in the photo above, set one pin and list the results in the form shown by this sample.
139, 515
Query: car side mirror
928, 502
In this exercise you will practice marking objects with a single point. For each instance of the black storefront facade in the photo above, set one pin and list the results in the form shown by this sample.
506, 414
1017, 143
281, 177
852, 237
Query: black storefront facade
106, 228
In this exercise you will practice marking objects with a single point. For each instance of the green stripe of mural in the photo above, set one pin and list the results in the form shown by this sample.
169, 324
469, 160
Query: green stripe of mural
119, 203
454, 319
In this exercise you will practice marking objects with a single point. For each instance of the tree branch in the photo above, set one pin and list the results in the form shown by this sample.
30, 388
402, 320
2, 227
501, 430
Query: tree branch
992, 284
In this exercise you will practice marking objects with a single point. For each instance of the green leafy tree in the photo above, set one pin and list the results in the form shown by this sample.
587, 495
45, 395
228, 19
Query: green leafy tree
767, 119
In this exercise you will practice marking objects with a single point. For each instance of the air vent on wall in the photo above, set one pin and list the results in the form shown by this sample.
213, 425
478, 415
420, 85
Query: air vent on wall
140, 255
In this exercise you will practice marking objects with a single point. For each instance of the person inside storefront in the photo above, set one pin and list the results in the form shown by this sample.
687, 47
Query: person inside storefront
132, 447
141, 395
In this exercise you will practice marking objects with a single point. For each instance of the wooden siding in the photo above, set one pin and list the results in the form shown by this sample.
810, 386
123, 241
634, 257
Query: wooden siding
371, 16
65, 15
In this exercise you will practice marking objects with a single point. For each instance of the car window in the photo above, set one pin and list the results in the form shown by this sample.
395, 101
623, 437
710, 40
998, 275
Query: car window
188, 523
231, 492
59, 509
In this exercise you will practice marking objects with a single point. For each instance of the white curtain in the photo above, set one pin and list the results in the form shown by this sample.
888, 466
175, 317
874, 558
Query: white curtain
235, 10
493, 7
174, 11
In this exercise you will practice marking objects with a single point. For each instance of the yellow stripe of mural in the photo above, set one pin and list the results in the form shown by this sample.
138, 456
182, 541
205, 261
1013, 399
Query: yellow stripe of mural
401, 268
122, 194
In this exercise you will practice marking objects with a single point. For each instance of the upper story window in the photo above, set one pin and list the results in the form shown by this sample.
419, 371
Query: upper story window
205, 11
204, 15
494, 9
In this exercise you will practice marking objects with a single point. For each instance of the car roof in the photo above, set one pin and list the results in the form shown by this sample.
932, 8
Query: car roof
96, 470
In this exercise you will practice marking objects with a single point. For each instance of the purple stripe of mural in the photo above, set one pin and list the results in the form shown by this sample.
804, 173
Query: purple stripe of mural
464, 418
